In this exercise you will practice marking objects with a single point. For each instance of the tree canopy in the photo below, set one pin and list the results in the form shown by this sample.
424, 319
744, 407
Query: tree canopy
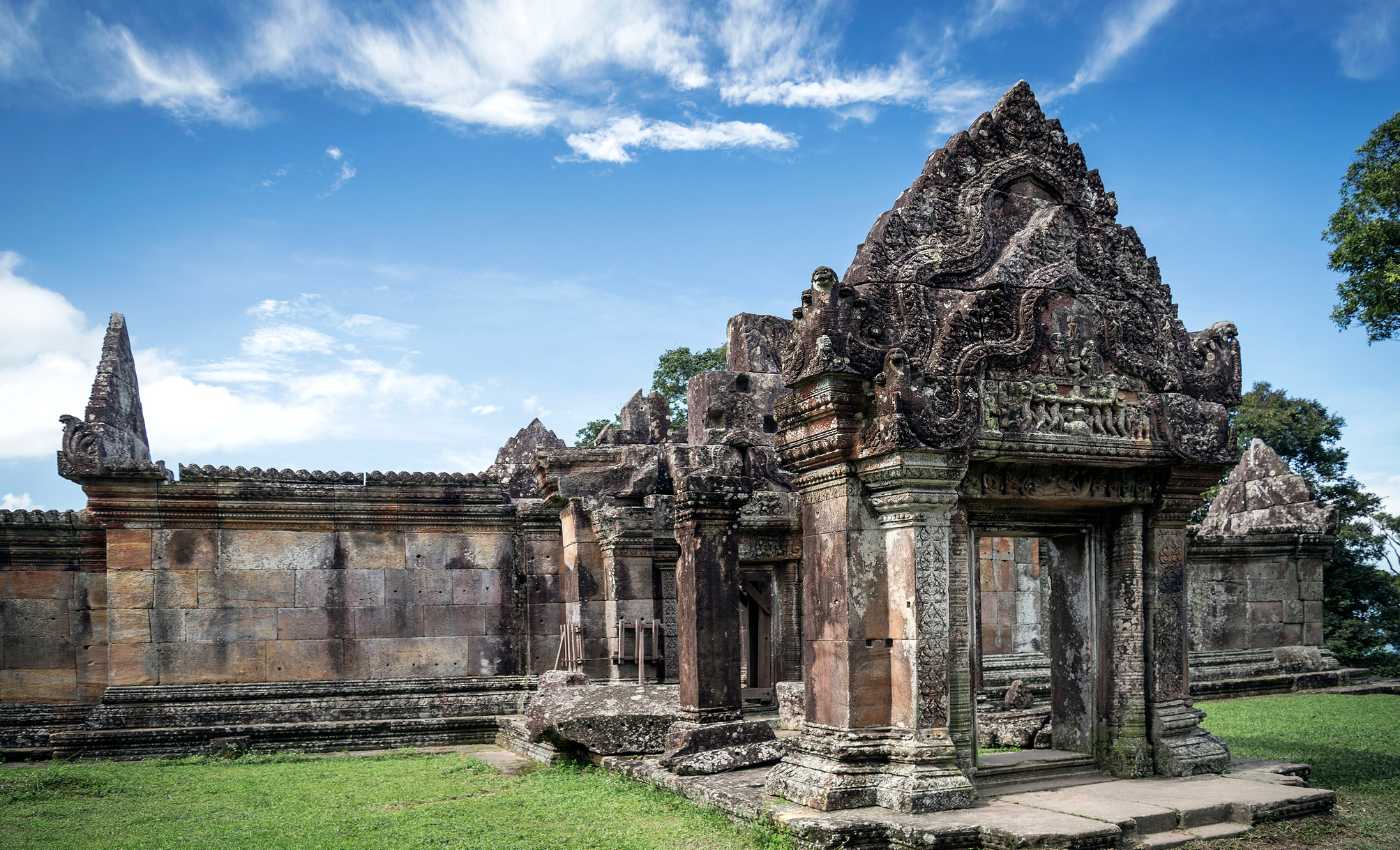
1365, 231
675, 368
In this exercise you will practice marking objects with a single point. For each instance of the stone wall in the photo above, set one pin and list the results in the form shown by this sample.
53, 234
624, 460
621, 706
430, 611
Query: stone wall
1013, 593
53, 600
247, 579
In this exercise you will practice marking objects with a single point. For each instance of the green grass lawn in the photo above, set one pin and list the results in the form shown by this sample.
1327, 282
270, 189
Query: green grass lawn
404, 800
1353, 745
415, 800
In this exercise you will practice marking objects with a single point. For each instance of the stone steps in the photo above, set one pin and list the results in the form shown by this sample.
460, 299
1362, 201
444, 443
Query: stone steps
326, 736
1036, 775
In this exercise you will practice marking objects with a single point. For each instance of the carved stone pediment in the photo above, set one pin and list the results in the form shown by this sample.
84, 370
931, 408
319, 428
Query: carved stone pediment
1000, 306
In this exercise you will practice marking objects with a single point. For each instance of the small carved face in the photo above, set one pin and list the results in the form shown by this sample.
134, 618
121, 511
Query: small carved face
823, 279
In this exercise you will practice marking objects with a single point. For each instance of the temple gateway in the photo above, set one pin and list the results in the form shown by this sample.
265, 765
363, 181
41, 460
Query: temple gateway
943, 509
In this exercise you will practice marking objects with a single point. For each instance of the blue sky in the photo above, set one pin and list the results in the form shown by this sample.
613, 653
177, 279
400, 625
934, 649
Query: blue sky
385, 237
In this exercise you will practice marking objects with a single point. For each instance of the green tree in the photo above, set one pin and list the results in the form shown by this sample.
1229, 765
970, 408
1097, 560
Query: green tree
1365, 231
1362, 601
674, 369
588, 434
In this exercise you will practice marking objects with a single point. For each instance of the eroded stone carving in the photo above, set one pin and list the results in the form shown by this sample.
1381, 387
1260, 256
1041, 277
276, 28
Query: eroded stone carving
514, 468
1011, 309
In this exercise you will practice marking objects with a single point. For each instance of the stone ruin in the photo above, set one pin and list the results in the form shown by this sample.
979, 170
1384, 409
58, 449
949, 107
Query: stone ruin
947, 500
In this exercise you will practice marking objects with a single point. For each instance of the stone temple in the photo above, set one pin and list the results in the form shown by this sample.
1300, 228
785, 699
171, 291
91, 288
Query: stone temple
943, 507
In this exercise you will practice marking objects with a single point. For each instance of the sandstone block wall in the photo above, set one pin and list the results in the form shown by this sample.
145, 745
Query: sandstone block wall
266, 605
1257, 593
1013, 596
53, 599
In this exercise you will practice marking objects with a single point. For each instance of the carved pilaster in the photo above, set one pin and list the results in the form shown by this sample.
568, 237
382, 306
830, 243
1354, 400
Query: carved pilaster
1180, 746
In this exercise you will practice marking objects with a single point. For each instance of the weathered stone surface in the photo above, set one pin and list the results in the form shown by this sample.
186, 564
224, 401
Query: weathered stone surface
111, 437
720, 747
514, 467
733, 408
755, 343
604, 719
643, 420
1264, 496
792, 704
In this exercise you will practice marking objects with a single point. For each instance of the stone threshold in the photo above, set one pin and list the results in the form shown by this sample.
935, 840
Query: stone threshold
1159, 812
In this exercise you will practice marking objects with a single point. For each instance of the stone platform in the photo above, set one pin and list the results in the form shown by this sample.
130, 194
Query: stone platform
1102, 813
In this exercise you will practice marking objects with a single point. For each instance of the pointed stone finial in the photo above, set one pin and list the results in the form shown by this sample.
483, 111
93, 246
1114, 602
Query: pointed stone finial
514, 468
111, 437
1263, 496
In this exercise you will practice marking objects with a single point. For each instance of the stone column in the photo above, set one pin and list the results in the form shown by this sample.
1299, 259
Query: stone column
711, 735
625, 541
914, 494
1180, 746
542, 544
1128, 753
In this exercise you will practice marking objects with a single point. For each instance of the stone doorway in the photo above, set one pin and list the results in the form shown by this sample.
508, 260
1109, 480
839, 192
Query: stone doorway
758, 659
1036, 667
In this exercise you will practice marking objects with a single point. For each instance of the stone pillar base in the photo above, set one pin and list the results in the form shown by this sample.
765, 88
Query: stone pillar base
829, 769
1180, 746
701, 748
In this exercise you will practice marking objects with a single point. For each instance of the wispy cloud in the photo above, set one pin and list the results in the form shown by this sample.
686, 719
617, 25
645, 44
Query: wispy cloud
616, 141
1366, 45
344, 175
18, 44
289, 383
17, 502
988, 15
178, 81
1123, 30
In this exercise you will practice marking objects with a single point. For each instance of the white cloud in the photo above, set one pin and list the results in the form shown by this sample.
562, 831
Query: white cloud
177, 81
1122, 32
988, 15
485, 409
18, 44
274, 340
616, 141
533, 406
375, 327
1366, 44
291, 384
17, 502
334, 152
780, 54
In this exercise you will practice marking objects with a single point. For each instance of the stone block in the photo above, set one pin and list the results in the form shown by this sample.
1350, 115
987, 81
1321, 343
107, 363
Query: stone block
1312, 611
1293, 610
49, 685
241, 549
312, 623
186, 549
543, 556
247, 588
439, 551
89, 590
230, 625
755, 342
1310, 591
1310, 569
92, 664
491, 655
1270, 570
385, 621
604, 719
167, 625
792, 704
209, 663
1272, 591
432, 587
1290, 634
478, 587
399, 658
129, 549
305, 660
129, 625
631, 578
130, 589
546, 617
36, 584
1312, 633
177, 588
133, 664
399, 588
451, 620
339, 588
1263, 613
87, 626
543, 589
372, 550
495, 620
